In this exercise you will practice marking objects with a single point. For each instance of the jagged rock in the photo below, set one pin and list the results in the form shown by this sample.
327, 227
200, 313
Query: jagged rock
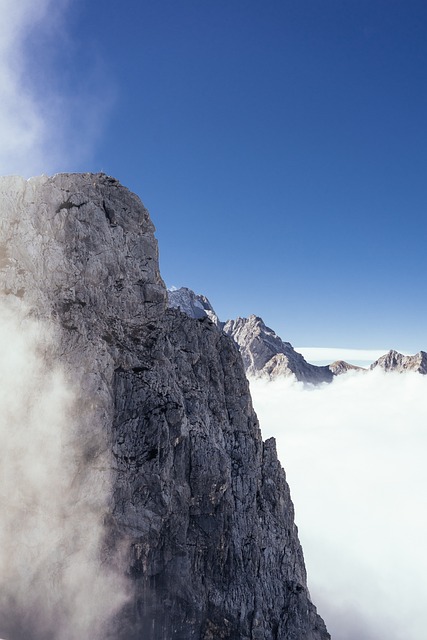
395, 361
194, 305
264, 353
340, 366
198, 502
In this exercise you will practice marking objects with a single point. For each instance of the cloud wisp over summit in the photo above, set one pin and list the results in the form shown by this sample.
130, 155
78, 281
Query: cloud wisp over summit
49, 120
354, 452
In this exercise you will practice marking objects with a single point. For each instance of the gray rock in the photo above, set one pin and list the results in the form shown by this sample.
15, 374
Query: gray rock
194, 305
340, 366
265, 354
395, 361
199, 507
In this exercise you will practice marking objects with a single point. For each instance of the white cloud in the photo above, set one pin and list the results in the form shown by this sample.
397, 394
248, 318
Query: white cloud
45, 126
354, 452
331, 354
53, 580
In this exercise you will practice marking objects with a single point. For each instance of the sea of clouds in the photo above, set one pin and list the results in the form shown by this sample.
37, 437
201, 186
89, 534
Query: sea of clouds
354, 452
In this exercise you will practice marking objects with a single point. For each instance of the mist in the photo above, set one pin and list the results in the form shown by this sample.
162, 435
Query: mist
55, 580
50, 120
354, 453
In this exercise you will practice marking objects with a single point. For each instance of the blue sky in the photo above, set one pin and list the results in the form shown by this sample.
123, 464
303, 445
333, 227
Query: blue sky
280, 147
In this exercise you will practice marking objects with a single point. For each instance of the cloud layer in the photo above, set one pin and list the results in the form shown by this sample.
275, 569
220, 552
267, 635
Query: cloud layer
330, 354
354, 452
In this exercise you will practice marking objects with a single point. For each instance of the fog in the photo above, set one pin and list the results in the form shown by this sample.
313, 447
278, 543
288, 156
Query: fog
54, 580
50, 119
354, 452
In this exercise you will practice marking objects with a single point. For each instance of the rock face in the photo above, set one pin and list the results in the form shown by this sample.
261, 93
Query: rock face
264, 353
395, 361
192, 304
198, 505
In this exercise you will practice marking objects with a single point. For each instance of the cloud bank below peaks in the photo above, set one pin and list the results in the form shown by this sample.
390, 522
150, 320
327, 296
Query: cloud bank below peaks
354, 452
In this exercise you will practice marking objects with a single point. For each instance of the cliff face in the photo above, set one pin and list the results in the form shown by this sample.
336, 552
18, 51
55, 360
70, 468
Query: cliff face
197, 504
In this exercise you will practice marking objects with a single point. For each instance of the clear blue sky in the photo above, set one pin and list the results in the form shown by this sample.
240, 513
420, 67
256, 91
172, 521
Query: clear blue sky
281, 148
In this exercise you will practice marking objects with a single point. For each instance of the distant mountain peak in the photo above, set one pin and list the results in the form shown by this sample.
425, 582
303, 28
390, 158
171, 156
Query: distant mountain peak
395, 361
192, 304
341, 366
264, 353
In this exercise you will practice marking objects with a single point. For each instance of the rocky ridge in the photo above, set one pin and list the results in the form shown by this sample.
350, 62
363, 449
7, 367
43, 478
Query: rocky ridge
395, 361
265, 354
192, 304
198, 504
340, 366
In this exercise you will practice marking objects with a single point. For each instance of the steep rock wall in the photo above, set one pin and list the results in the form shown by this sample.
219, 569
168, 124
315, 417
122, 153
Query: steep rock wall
198, 504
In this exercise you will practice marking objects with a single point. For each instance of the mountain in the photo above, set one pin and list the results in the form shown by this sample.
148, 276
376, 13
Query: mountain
192, 304
160, 443
395, 361
264, 353
340, 366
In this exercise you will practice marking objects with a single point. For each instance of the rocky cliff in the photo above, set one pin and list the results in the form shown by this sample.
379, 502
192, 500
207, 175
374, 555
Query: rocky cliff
197, 510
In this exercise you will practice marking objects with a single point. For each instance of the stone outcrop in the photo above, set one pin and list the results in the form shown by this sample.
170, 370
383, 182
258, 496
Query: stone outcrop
198, 504
395, 361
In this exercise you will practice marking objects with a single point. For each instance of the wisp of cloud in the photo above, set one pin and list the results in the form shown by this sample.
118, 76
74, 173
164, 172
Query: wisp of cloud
54, 581
47, 124
354, 452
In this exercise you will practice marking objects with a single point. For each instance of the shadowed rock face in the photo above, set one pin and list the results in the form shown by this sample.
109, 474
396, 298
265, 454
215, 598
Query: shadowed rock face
198, 505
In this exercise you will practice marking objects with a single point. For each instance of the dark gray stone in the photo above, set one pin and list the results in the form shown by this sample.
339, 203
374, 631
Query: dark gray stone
199, 507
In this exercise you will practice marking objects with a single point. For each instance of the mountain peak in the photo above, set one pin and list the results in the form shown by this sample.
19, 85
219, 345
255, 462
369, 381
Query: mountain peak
395, 361
166, 448
192, 304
